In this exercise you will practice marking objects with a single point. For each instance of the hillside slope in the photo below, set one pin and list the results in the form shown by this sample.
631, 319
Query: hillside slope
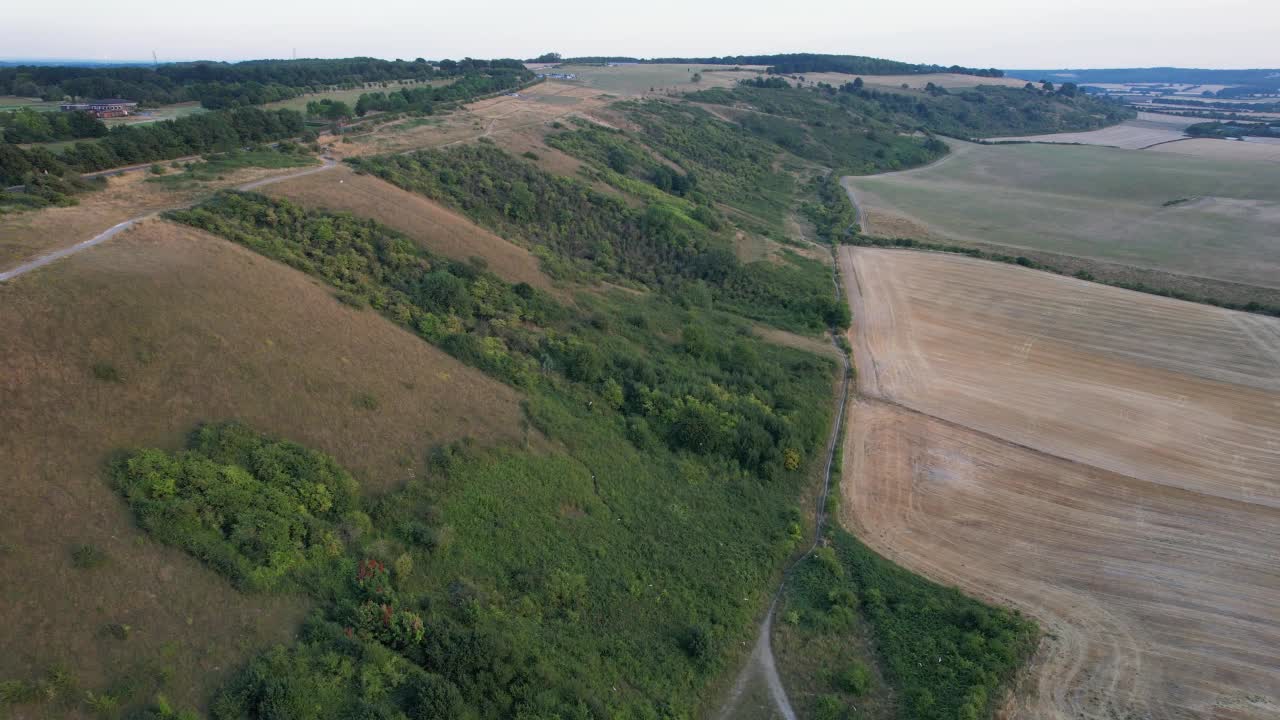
135, 343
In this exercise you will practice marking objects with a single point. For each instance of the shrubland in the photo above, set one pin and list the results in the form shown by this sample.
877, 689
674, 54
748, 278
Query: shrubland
985, 111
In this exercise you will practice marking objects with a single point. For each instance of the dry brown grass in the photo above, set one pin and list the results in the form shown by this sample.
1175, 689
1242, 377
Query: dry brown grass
198, 329
543, 103
1105, 460
431, 225
28, 235
1223, 149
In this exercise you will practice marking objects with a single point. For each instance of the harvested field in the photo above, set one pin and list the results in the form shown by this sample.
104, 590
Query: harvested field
1113, 205
434, 227
189, 328
1107, 461
1223, 149
1146, 130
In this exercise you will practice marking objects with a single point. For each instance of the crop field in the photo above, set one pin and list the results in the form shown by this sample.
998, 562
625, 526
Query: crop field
1146, 130
436, 228
1206, 217
641, 79
1104, 460
139, 340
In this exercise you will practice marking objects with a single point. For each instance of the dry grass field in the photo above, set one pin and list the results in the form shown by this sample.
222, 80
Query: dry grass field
1223, 149
136, 341
1107, 461
431, 225
1146, 130
1206, 217
631, 80
27, 235
543, 103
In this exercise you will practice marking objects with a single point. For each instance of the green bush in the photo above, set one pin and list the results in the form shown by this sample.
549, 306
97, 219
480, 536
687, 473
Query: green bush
255, 509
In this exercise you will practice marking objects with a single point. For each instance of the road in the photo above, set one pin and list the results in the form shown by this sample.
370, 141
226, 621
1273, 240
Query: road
24, 268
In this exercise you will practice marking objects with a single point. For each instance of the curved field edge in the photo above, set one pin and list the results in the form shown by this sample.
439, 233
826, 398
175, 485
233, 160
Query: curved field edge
1107, 562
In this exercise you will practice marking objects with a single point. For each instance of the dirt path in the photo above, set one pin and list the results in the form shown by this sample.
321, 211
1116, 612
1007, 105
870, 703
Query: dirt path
761, 663
24, 268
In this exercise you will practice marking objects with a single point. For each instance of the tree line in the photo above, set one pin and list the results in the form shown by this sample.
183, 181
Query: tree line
219, 85
794, 63
54, 179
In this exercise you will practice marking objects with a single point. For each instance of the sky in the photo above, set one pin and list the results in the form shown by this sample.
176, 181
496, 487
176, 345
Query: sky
979, 33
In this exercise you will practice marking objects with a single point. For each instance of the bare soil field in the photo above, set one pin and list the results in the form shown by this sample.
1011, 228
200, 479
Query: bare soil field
1120, 206
1223, 149
191, 328
1146, 130
431, 225
1107, 461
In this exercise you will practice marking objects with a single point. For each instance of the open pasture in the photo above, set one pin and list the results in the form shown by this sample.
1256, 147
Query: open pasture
1206, 217
1144, 131
134, 342
1107, 461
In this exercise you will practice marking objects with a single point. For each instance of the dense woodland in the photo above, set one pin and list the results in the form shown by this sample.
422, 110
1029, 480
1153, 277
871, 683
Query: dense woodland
218, 85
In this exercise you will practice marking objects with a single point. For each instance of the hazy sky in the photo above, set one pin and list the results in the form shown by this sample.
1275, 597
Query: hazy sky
999, 33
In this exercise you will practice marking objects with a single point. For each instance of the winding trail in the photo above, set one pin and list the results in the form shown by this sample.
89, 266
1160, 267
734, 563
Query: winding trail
326, 164
761, 660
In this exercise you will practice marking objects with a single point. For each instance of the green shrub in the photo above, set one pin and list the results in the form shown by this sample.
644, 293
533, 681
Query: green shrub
106, 372
87, 557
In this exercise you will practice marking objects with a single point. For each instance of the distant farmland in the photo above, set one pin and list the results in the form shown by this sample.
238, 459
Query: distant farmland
1146, 130
1205, 217
637, 79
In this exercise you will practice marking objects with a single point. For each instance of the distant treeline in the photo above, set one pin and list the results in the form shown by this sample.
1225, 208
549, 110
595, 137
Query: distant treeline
1252, 81
54, 179
1255, 107
793, 63
218, 85
425, 98
1234, 129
